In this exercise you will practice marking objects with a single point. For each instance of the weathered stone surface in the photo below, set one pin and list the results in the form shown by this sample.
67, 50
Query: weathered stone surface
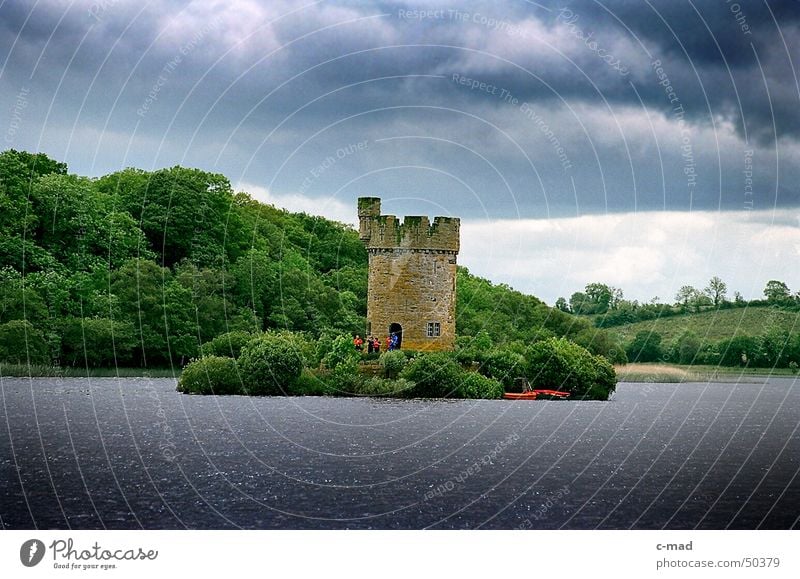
412, 276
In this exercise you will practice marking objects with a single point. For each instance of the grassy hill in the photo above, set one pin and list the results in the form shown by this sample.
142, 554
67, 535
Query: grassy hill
716, 325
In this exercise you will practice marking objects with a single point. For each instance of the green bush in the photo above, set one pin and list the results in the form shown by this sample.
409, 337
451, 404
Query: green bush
229, 344
685, 349
21, 343
645, 347
344, 380
377, 386
474, 385
309, 384
341, 352
270, 364
738, 351
471, 349
97, 342
504, 366
393, 363
601, 343
558, 364
210, 375
435, 375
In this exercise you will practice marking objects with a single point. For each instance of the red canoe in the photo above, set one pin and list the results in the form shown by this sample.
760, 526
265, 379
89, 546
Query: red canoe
534, 394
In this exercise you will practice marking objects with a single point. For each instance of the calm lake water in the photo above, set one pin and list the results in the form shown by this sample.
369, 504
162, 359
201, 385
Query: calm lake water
133, 453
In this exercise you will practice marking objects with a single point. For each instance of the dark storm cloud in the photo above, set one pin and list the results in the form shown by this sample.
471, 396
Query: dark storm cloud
219, 84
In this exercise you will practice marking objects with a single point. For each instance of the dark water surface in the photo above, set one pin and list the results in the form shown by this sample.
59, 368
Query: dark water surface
130, 453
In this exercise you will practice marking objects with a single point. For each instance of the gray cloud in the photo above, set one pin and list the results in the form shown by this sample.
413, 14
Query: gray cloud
263, 92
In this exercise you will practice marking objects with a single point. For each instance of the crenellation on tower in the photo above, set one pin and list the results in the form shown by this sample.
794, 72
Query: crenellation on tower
412, 276
413, 232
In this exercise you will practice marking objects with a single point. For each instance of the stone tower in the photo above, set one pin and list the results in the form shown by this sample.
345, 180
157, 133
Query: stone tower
412, 277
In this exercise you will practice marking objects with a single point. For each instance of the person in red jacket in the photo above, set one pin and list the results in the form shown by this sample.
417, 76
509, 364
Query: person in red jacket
358, 343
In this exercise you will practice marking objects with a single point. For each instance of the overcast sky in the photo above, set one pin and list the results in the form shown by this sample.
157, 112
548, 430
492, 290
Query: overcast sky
642, 144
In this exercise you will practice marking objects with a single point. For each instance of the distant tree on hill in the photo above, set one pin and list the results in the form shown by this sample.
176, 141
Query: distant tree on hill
716, 290
777, 292
562, 305
596, 298
600, 296
685, 295
579, 303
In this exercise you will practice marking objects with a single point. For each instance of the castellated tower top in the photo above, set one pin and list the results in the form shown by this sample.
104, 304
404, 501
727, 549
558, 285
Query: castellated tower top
413, 232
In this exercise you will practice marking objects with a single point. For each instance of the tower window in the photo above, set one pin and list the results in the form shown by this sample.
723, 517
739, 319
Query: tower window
434, 330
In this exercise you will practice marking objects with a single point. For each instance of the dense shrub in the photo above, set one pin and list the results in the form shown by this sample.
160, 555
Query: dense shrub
601, 343
341, 353
309, 384
392, 363
471, 349
377, 386
97, 342
685, 349
270, 364
645, 347
435, 375
474, 385
210, 375
558, 364
738, 351
504, 366
229, 344
343, 380
21, 343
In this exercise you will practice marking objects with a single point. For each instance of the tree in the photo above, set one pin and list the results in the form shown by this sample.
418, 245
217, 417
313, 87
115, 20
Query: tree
435, 375
716, 290
558, 364
579, 304
777, 292
270, 364
562, 305
97, 342
185, 213
686, 295
645, 347
21, 343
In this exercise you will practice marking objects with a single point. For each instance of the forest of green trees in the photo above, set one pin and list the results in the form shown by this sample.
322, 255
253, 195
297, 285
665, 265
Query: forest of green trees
141, 269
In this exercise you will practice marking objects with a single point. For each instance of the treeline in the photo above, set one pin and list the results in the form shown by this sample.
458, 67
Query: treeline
142, 269
609, 308
775, 348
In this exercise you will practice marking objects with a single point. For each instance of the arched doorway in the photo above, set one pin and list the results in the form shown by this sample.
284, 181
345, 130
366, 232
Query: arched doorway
397, 330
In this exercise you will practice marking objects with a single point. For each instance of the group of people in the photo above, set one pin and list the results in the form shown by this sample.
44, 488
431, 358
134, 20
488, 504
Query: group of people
374, 344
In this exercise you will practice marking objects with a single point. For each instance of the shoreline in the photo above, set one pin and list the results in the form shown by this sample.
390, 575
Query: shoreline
668, 373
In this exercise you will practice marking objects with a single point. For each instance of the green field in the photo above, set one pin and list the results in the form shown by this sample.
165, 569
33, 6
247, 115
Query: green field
716, 325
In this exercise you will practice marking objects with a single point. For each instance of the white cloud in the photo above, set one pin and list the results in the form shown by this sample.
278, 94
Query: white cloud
646, 254
329, 207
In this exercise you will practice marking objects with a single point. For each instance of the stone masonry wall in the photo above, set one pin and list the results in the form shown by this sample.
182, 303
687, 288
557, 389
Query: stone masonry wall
412, 275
